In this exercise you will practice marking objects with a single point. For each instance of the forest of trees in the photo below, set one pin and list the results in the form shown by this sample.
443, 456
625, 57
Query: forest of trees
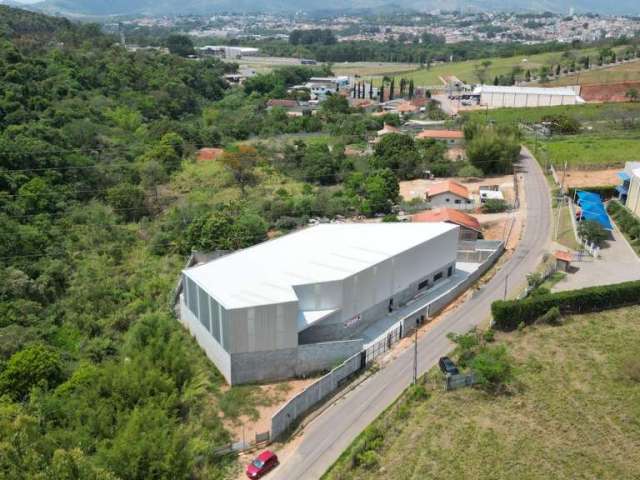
100, 203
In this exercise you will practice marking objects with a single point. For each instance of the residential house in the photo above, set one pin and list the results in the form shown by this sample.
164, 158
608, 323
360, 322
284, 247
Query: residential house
451, 137
449, 194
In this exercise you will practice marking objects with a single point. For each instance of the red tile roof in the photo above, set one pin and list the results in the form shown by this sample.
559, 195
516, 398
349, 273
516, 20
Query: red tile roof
284, 102
448, 134
564, 256
449, 215
449, 187
207, 154
406, 107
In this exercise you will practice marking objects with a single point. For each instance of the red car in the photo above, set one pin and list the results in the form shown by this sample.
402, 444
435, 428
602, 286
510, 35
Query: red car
263, 464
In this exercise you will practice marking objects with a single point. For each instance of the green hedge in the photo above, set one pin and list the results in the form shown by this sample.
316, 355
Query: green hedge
507, 315
605, 191
627, 221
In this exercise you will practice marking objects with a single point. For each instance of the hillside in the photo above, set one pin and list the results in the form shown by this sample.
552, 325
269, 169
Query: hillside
573, 411
123, 7
17, 22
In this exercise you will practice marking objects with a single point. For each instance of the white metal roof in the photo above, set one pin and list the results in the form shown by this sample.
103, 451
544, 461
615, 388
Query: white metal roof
266, 273
563, 91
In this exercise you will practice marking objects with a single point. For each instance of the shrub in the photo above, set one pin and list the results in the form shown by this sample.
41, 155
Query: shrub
552, 317
470, 171
540, 291
508, 314
592, 232
494, 206
35, 365
492, 367
627, 222
489, 335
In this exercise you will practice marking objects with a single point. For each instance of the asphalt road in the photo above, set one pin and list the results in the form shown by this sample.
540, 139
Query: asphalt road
328, 435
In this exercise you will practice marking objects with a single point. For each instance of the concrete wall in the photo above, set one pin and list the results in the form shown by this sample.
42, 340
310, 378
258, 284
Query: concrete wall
316, 357
499, 100
439, 303
249, 367
336, 328
211, 347
312, 395
449, 200
633, 198
264, 328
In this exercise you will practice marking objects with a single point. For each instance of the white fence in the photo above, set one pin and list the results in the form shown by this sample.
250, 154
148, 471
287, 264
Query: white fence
590, 248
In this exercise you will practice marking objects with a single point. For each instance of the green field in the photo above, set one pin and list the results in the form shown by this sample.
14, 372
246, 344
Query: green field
590, 112
566, 236
618, 73
574, 413
588, 150
499, 66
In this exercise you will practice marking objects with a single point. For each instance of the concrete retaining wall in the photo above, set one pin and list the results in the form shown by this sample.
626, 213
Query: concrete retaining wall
315, 357
312, 395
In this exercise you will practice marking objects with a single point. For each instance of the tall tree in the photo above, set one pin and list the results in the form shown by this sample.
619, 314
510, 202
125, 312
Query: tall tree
241, 161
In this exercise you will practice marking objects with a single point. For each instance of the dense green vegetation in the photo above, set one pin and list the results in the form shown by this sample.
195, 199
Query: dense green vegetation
627, 222
100, 201
509, 314
577, 380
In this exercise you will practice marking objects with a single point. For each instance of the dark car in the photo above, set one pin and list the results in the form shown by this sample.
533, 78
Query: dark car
448, 367
263, 464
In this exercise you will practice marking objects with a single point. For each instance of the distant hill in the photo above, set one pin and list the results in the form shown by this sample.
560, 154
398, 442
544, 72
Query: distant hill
129, 7
15, 22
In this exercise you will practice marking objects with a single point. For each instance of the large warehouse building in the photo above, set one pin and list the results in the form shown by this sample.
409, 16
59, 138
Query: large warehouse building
298, 304
503, 97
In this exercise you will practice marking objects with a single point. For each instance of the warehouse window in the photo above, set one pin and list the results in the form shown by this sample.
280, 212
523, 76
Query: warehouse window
437, 277
203, 310
215, 319
192, 296
449, 271
423, 284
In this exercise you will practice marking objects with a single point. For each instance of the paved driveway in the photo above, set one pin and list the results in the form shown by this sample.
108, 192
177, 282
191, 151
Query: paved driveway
328, 435
618, 263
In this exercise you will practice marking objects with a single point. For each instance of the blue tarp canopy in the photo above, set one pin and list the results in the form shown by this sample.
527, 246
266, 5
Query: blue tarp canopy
593, 209
624, 176
588, 197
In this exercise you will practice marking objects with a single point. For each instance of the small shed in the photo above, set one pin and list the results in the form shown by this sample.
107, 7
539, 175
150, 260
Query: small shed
563, 260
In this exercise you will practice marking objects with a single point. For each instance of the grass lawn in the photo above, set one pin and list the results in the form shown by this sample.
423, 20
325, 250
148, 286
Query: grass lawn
592, 149
499, 66
369, 69
574, 413
590, 112
566, 236
617, 73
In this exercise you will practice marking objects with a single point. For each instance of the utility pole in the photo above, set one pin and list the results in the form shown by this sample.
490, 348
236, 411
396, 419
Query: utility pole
506, 284
415, 354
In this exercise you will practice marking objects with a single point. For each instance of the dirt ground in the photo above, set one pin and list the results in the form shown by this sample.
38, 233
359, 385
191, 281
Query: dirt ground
417, 188
585, 178
455, 154
246, 428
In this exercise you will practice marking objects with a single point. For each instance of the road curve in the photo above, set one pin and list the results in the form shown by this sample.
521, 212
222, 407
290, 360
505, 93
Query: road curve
328, 435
